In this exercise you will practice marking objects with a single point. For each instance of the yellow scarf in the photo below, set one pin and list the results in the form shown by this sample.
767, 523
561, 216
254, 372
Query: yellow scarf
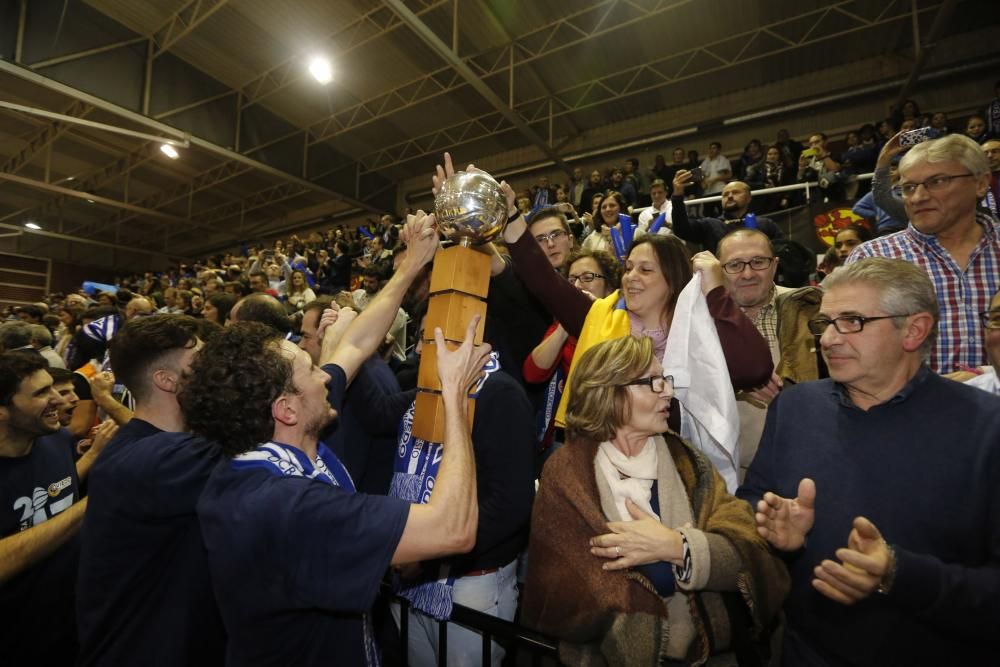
607, 319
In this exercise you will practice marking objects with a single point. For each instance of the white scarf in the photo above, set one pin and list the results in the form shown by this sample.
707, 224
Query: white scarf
629, 476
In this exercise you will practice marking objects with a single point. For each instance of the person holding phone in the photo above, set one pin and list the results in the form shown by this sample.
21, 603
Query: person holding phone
708, 231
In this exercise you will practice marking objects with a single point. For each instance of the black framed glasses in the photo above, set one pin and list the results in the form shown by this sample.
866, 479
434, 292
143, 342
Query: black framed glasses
755, 263
586, 277
551, 237
991, 319
656, 383
847, 324
932, 184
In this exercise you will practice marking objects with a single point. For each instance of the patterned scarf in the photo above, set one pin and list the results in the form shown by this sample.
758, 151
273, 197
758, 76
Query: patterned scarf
413, 478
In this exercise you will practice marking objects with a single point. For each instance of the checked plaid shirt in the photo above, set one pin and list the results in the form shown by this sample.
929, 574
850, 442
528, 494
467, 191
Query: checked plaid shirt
962, 295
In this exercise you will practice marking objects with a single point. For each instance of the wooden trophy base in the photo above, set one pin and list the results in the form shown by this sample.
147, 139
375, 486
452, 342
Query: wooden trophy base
460, 281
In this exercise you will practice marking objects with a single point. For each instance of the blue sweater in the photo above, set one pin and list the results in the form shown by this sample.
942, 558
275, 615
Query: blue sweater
925, 468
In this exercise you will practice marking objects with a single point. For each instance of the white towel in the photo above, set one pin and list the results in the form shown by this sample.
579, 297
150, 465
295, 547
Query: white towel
709, 417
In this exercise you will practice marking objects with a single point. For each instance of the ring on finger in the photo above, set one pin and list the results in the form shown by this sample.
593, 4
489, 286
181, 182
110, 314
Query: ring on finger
618, 552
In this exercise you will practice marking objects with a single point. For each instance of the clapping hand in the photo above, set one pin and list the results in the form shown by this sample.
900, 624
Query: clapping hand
862, 568
785, 522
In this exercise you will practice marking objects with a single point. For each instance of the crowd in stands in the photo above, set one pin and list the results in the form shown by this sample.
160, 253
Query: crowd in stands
671, 445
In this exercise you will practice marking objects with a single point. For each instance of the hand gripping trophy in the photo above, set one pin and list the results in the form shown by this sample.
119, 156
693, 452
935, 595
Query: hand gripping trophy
470, 208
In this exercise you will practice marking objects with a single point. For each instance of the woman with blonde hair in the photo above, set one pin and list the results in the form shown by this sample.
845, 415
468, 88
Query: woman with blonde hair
638, 554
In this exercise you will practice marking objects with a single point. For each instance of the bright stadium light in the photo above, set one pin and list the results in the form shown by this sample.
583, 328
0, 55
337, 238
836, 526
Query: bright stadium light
321, 69
169, 151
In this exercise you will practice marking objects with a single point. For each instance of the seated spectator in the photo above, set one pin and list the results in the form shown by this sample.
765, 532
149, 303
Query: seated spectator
629, 497
16, 335
709, 231
820, 165
942, 182
772, 172
859, 157
299, 292
716, 172
790, 148
661, 205
975, 129
262, 308
849, 238
625, 188
30, 314
41, 340
988, 380
939, 123
839, 460
217, 308
611, 206
753, 154
138, 306
595, 187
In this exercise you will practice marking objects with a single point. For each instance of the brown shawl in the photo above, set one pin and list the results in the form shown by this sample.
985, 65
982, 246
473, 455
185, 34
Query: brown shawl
617, 618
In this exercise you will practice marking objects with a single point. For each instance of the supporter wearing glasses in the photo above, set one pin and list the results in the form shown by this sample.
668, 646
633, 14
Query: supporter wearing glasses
862, 463
942, 182
596, 273
780, 314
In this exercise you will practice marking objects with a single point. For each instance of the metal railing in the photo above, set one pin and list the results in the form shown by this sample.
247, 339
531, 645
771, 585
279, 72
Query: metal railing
807, 186
515, 638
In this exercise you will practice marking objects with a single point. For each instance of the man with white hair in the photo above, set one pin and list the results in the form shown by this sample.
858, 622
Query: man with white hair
942, 181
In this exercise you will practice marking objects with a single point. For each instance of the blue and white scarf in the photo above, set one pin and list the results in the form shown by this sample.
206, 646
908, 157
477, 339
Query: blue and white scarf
413, 478
287, 461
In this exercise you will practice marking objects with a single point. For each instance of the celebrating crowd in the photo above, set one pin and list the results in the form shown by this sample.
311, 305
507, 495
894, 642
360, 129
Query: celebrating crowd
672, 459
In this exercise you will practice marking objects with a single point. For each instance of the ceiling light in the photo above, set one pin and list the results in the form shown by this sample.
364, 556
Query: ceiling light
31, 225
321, 69
169, 151
90, 201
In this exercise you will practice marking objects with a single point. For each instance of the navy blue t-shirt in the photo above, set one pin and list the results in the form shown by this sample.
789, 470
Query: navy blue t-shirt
144, 593
36, 607
296, 562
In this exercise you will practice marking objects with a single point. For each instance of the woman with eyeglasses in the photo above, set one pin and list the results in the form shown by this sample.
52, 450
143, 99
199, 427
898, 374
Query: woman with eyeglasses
638, 554
596, 273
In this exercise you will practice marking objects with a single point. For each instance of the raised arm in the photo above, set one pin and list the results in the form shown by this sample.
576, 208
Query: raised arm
447, 523
748, 356
364, 336
684, 227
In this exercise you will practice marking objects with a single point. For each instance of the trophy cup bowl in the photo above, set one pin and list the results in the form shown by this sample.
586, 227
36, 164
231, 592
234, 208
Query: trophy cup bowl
470, 207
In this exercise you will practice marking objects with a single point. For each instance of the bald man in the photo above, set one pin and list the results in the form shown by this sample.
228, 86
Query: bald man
709, 231
138, 306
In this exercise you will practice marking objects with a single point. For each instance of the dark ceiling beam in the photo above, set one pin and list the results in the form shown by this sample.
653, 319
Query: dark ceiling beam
173, 133
450, 57
656, 73
182, 23
923, 50
44, 137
